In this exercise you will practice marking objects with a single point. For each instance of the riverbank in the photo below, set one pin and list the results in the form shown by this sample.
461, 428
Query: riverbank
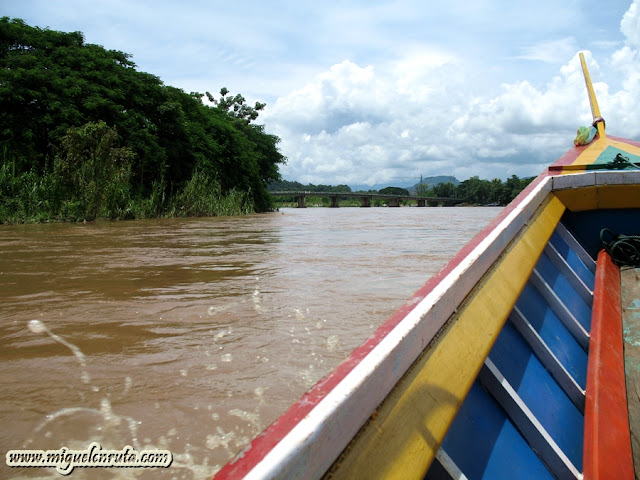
30, 198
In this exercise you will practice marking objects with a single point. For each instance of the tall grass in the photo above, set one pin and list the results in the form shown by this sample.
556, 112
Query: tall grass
203, 197
33, 198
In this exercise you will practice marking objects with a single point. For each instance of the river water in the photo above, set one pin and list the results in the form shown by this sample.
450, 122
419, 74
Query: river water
193, 335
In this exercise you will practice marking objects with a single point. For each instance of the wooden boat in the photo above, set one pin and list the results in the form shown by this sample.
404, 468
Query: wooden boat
506, 364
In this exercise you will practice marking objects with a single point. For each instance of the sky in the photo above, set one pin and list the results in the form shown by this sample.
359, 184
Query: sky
372, 92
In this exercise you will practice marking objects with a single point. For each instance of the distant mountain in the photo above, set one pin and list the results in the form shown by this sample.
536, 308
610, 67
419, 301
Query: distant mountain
431, 181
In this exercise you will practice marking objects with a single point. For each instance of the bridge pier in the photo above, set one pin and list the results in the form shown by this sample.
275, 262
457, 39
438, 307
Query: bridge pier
334, 201
302, 201
394, 202
365, 201
422, 202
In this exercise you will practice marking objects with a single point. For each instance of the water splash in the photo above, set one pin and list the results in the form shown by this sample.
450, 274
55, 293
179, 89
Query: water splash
75, 427
102, 425
38, 326
332, 343
256, 301
127, 386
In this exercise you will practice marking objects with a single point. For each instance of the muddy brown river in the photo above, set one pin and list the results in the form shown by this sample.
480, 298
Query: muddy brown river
193, 335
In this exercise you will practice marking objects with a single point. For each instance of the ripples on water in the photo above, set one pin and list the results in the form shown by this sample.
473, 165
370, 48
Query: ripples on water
194, 335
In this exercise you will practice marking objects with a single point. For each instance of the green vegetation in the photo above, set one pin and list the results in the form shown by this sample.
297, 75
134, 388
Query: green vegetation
483, 192
84, 135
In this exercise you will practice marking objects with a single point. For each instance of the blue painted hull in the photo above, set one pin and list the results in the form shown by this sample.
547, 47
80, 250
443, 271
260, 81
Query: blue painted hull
542, 352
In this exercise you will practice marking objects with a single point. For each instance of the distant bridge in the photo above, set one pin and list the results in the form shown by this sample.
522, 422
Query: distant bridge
365, 198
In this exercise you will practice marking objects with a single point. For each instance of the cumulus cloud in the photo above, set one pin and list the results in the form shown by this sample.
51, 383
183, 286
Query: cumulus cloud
630, 25
419, 114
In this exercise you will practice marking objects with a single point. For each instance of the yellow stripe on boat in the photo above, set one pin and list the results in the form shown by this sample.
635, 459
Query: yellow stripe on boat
600, 197
403, 436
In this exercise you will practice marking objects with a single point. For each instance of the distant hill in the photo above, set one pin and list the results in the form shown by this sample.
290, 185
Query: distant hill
433, 181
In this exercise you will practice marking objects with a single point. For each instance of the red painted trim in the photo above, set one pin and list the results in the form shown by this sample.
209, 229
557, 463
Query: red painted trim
607, 440
635, 143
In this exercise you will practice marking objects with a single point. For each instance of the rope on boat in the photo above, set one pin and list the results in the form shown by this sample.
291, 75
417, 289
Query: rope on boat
620, 162
624, 250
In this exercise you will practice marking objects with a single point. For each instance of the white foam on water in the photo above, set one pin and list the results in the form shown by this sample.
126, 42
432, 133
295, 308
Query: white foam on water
256, 301
127, 386
36, 326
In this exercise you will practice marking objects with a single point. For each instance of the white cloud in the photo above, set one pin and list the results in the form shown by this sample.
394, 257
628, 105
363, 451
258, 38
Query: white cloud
417, 119
630, 25
418, 115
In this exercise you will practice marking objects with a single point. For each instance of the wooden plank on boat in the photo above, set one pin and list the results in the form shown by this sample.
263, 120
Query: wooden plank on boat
574, 245
450, 469
569, 273
553, 332
607, 441
561, 310
548, 359
501, 454
630, 293
532, 430
400, 441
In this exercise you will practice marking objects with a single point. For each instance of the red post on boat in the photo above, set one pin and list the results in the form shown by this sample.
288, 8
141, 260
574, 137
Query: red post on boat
607, 440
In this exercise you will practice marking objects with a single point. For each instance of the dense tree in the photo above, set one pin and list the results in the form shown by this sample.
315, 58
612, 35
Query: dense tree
447, 189
474, 190
53, 82
422, 189
235, 106
94, 171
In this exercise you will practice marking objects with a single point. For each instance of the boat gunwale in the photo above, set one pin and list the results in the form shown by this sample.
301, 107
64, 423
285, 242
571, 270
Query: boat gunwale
393, 347
607, 438
312, 433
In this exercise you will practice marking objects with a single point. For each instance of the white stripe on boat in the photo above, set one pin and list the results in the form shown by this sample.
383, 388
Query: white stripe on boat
532, 430
560, 374
560, 309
